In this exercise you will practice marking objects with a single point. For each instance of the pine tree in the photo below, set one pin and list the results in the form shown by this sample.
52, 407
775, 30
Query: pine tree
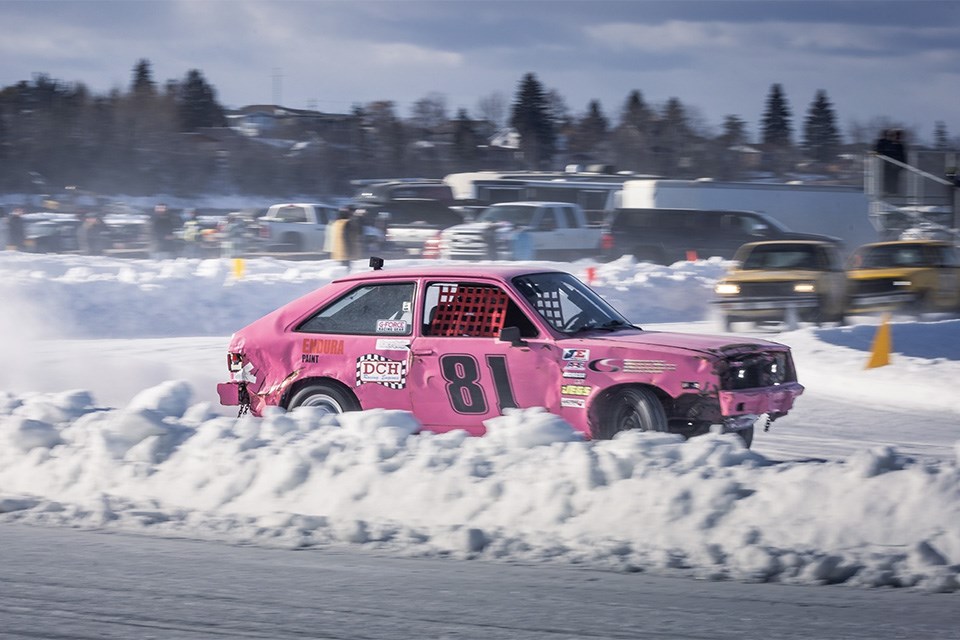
143, 84
531, 118
821, 138
631, 138
465, 140
198, 106
777, 129
590, 132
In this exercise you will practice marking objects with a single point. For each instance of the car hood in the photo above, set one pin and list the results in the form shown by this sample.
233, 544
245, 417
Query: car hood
760, 275
478, 227
674, 341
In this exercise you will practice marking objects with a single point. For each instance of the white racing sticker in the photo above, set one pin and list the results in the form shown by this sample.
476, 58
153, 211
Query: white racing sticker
392, 344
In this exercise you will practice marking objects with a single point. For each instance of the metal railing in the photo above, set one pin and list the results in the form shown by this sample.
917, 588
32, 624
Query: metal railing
908, 197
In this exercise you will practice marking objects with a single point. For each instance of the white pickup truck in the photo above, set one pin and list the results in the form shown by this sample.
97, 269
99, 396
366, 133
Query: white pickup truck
296, 227
524, 231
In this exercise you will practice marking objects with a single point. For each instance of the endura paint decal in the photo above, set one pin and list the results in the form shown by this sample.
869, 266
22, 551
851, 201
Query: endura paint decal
322, 346
372, 367
574, 374
392, 344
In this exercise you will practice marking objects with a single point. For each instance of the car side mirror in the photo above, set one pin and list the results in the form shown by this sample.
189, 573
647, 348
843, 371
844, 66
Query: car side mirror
512, 335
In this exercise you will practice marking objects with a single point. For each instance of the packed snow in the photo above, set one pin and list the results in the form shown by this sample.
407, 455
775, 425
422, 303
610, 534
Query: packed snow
108, 419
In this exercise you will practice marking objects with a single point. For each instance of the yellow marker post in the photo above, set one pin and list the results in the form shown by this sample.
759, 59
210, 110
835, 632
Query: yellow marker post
239, 265
882, 345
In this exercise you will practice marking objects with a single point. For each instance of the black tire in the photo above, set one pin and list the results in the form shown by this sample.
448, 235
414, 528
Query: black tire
330, 398
630, 408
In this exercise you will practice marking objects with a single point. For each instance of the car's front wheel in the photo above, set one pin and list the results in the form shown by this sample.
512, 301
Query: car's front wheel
630, 408
328, 397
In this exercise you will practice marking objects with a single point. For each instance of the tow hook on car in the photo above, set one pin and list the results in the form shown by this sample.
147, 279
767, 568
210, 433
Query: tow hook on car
243, 399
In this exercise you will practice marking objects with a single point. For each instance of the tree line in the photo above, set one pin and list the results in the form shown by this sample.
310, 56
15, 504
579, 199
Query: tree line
175, 139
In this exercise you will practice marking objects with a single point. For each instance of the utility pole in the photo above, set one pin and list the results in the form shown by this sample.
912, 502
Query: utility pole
277, 85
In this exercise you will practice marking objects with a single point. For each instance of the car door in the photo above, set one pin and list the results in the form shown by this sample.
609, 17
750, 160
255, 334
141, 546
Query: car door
948, 278
461, 373
543, 228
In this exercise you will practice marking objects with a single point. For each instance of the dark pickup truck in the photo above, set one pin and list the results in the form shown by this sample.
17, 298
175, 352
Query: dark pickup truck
665, 236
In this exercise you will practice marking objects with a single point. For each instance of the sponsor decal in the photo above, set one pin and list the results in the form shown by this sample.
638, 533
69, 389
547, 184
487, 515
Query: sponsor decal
575, 403
314, 348
574, 374
609, 365
392, 344
580, 355
374, 368
392, 326
648, 366
604, 365
578, 365
575, 390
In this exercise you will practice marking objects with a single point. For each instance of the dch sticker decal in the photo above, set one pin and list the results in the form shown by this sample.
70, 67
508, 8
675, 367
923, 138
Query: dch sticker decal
392, 326
372, 367
575, 403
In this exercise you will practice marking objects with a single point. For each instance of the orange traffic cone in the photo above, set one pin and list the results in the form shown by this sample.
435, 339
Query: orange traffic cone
882, 344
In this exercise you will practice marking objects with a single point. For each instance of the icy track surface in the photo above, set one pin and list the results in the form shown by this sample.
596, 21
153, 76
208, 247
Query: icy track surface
164, 460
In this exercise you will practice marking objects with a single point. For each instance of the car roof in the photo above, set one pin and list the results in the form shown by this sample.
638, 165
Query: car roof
532, 203
467, 270
918, 241
787, 241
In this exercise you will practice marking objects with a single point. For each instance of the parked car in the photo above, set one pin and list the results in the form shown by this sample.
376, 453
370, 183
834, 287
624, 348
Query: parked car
905, 275
524, 230
408, 214
457, 345
296, 227
779, 279
665, 236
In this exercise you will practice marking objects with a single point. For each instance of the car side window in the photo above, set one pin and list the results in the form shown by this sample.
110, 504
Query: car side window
292, 214
473, 310
377, 309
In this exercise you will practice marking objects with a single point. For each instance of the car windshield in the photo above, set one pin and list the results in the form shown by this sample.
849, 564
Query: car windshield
520, 216
781, 257
891, 255
568, 305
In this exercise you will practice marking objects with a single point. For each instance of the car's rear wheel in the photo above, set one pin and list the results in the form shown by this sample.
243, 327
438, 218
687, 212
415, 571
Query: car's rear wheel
627, 409
329, 398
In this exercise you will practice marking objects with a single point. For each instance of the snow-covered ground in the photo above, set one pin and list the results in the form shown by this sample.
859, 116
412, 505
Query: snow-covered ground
108, 420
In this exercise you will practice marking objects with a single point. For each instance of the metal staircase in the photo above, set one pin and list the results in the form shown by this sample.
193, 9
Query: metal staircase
913, 199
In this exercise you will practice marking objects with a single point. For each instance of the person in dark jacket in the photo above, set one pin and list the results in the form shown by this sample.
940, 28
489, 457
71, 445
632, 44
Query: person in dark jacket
161, 232
16, 234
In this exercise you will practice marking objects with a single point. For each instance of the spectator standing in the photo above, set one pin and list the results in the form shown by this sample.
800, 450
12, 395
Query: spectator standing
891, 146
338, 240
16, 234
161, 232
233, 235
3, 228
93, 235
191, 234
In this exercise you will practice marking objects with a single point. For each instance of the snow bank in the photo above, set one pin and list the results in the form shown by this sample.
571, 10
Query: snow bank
532, 491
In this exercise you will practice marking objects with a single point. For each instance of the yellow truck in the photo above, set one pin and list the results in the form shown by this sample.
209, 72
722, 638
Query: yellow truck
914, 276
784, 280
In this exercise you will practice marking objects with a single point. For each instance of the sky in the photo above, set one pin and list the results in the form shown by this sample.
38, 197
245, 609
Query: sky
877, 60
109, 421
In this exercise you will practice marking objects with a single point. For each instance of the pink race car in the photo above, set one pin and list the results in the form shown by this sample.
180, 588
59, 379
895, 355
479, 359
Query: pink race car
457, 345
